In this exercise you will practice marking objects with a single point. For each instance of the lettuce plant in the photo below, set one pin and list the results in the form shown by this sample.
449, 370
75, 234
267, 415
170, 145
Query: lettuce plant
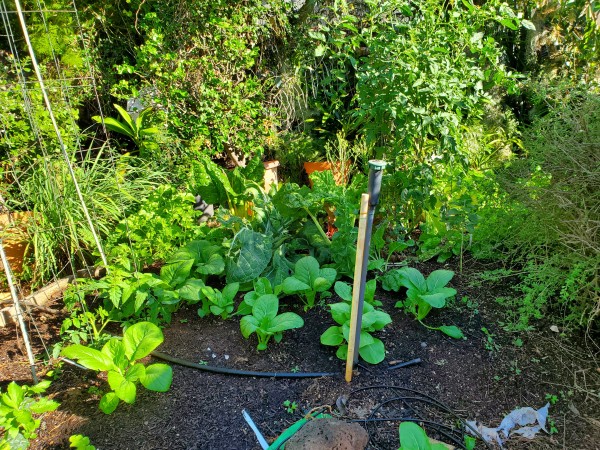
371, 349
308, 280
17, 409
119, 359
423, 294
266, 323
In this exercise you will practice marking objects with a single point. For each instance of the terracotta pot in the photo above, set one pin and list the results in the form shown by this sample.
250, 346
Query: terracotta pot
270, 174
13, 230
338, 176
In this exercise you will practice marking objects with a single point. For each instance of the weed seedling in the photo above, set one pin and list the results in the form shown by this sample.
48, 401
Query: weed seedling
290, 407
489, 341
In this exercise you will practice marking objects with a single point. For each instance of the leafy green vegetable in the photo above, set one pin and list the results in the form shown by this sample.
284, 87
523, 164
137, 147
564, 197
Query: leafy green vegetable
344, 291
217, 302
265, 321
423, 294
413, 437
206, 257
308, 280
119, 358
249, 256
262, 286
370, 349
17, 414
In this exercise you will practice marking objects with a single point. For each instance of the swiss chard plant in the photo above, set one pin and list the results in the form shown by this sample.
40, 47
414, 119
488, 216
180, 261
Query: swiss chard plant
309, 280
423, 294
120, 359
371, 349
219, 303
18, 410
266, 323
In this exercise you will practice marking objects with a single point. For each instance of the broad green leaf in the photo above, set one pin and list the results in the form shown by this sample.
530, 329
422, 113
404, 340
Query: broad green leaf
124, 388
266, 306
135, 372
373, 353
250, 255
140, 339
248, 325
177, 273
191, 291
435, 300
230, 291
14, 396
381, 319
321, 284
158, 377
370, 288
214, 265
438, 279
88, 357
342, 352
109, 402
340, 312
115, 350
119, 127
292, 285
412, 279
343, 290
332, 336
452, 331
413, 437
285, 321
366, 338
306, 270
126, 117
329, 274
43, 405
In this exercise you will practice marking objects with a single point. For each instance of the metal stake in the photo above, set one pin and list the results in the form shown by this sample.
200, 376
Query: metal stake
13, 293
375, 174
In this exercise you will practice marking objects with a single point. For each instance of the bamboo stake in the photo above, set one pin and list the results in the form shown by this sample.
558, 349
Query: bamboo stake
360, 250
13, 292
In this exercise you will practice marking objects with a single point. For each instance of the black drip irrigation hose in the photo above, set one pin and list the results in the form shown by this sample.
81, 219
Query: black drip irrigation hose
426, 398
242, 373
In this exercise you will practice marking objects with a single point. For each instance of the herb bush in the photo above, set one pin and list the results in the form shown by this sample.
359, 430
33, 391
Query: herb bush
544, 218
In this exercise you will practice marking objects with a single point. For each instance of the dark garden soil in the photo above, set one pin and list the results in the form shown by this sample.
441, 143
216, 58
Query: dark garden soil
483, 377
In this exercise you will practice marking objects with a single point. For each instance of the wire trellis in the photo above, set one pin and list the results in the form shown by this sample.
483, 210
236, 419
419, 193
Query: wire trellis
47, 158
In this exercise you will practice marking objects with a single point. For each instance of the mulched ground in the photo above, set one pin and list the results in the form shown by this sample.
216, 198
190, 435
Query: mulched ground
479, 378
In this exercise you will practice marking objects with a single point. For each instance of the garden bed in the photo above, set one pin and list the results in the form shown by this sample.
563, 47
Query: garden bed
483, 377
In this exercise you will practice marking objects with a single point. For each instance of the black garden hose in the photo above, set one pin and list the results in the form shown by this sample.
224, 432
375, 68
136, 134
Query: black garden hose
242, 373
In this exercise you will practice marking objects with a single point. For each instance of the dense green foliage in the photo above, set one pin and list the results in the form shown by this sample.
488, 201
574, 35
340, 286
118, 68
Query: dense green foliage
18, 414
487, 113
